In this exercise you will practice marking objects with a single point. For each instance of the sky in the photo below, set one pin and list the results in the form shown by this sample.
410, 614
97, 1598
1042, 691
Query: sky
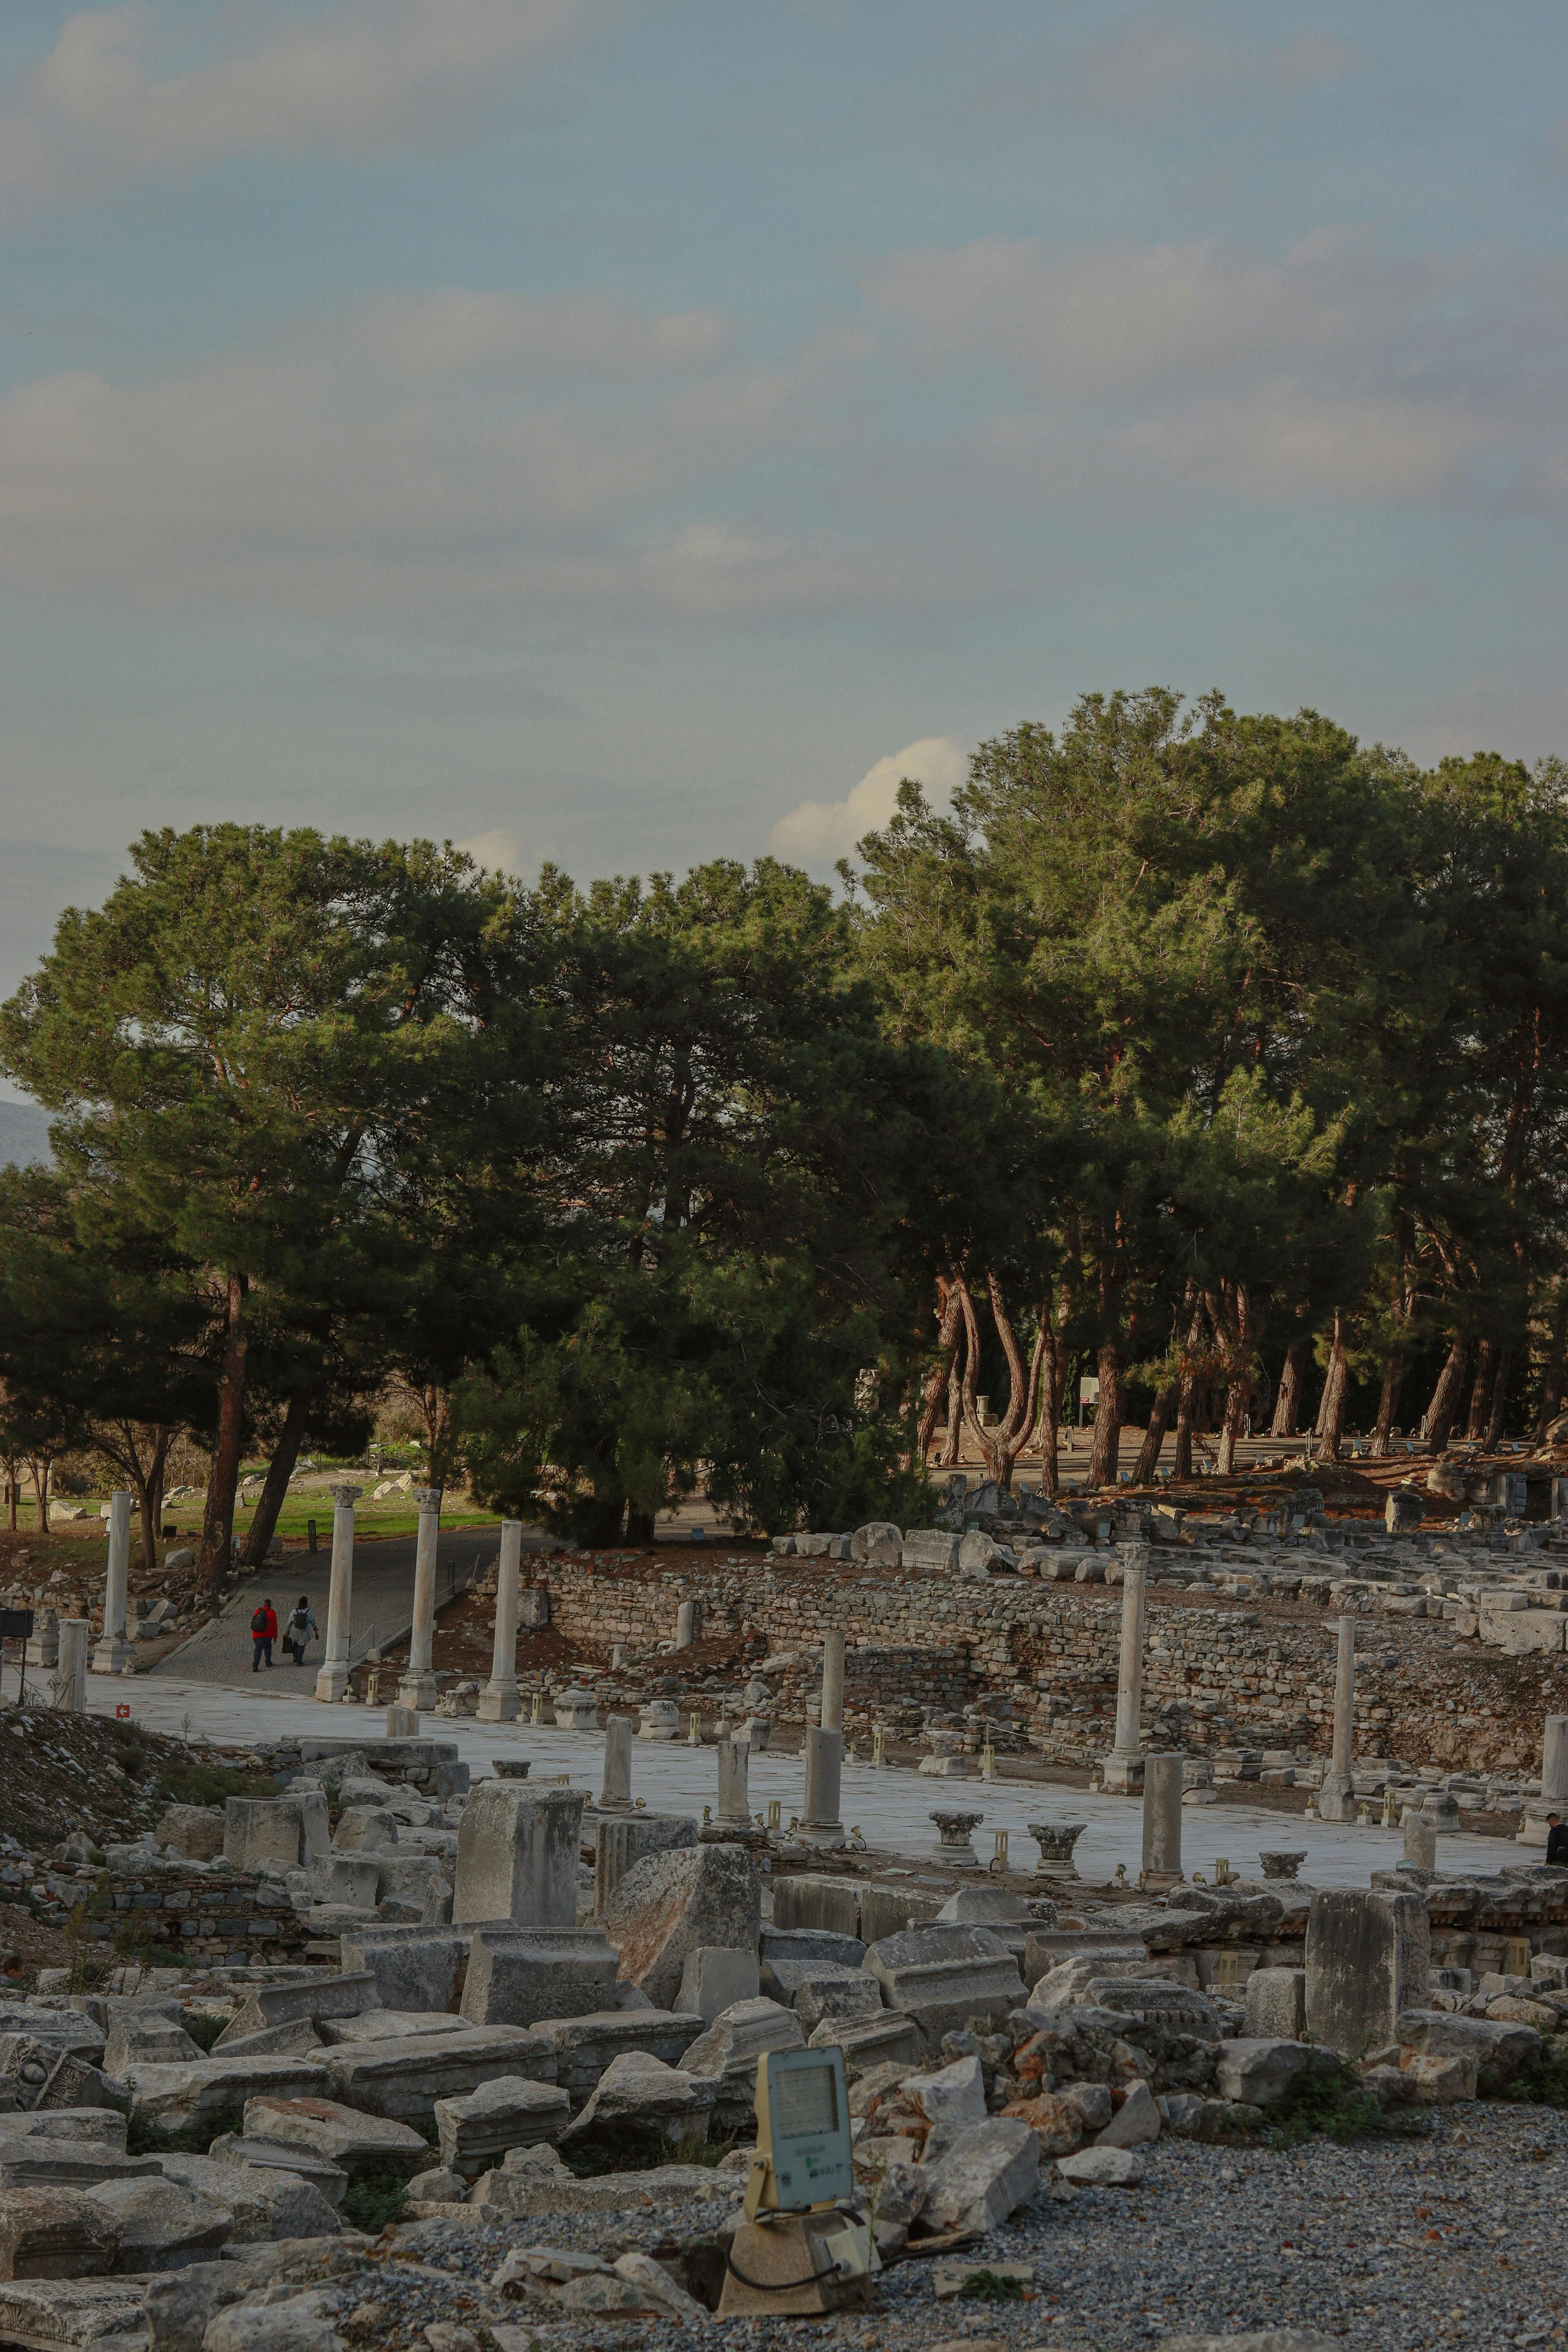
625, 434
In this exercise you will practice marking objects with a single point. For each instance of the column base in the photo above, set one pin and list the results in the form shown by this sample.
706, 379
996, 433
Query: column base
1121, 1776
498, 1705
418, 1691
1159, 1882
953, 1857
1533, 1829
109, 1657
822, 1834
1337, 1798
331, 1682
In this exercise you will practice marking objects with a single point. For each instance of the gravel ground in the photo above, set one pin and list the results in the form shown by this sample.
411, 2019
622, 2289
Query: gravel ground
1456, 2239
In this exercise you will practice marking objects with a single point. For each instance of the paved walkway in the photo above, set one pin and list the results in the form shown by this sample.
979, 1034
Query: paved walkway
382, 1606
891, 1806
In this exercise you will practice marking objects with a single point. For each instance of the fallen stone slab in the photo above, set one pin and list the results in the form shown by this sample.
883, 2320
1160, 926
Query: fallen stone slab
948, 1979
277, 2156
390, 2025
84, 2127
510, 2112
819, 1988
537, 2193
190, 2093
643, 2107
1496, 2049
1103, 2167
53, 2233
952, 2095
264, 2204
295, 2040
888, 2040
67, 2164
670, 1903
340, 2136
413, 1968
777, 1943
982, 2172
41, 2072
96, 2314
713, 1978
584, 2046
404, 2078
517, 1975
1262, 2073
147, 2041
325, 1993
161, 2225
729, 2051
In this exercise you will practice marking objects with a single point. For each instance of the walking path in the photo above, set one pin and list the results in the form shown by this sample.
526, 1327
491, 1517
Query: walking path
220, 1651
892, 1805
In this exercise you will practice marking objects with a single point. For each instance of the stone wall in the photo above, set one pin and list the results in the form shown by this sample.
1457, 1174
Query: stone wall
203, 1916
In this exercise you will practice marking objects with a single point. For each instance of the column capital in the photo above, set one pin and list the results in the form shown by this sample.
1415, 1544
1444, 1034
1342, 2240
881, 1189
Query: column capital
345, 1495
428, 1497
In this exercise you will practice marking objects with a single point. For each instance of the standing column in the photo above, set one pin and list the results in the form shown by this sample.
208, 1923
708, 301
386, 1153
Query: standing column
71, 1671
417, 1687
1554, 1797
1336, 1801
499, 1700
734, 1795
332, 1680
833, 1682
616, 1790
1162, 1777
1123, 1767
110, 1652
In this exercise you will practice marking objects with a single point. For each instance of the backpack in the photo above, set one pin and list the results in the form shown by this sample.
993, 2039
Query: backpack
259, 1622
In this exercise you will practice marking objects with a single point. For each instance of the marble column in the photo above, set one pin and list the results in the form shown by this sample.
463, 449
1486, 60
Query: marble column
332, 1678
417, 1687
71, 1671
833, 1682
685, 1625
110, 1652
1533, 1829
1123, 1767
615, 1790
1335, 1800
499, 1700
1163, 1778
734, 1795
1420, 1839
824, 1757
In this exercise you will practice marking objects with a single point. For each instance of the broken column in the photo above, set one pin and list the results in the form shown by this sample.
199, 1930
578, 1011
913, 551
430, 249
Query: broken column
1554, 1797
1420, 1839
517, 1855
616, 1790
332, 1679
685, 1625
1162, 1822
71, 1671
110, 1652
417, 1687
823, 1754
734, 1796
1336, 1801
499, 1700
1367, 1957
1123, 1767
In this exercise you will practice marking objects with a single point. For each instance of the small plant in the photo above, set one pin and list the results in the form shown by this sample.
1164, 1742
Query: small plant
203, 2028
184, 1781
987, 2286
374, 2198
143, 2137
1542, 2082
1334, 2106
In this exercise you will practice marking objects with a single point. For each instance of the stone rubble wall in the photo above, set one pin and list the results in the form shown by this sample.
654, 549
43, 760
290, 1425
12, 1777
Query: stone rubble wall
232, 1919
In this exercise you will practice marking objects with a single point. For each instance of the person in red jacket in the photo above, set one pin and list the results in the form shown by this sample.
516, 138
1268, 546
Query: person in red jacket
263, 1634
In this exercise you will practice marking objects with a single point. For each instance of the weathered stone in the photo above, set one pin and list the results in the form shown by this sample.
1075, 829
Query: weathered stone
952, 2095
295, 2325
983, 2173
713, 1978
404, 2078
278, 2156
53, 2233
344, 2137
1277, 2004
160, 2225
263, 2203
147, 2041
777, 1943
1261, 2073
507, 2112
517, 1855
1367, 1959
1056, 2123
364, 1829
620, 1841
411, 1968
193, 2092
1498, 2049
811, 1899
1136, 2121
885, 2040
584, 2046
517, 1975
196, 1832
1104, 2168
947, 1978
523, 2194
643, 2106
670, 1903
275, 1833
728, 2054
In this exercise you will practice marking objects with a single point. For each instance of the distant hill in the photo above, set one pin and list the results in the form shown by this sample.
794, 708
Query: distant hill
24, 1133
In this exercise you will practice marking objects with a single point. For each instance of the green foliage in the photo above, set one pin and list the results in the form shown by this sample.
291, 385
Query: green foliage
374, 2198
1542, 2083
988, 2286
144, 2136
203, 2028
185, 1780
1333, 2107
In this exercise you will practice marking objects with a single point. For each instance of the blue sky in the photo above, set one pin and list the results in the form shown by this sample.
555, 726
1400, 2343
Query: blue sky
628, 433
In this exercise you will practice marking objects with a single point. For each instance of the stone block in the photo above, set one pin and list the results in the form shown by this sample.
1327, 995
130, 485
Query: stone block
197, 2093
269, 1833
364, 1829
263, 2203
517, 1975
947, 1978
411, 1968
848, 1996
147, 2041
1277, 2004
713, 1978
1136, 2121
507, 2112
340, 2136
930, 1551
670, 1903
892, 1911
517, 1855
981, 2174
161, 2225
619, 1841
278, 2155
812, 1899
1367, 1959
1524, 1631
777, 1943
405, 1877
951, 2094
644, 2108
1055, 2121
403, 2078
727, 2052
196, 1832
887, 2040
53, 2233
1497, 2049
584, 2046
349, 1881
1261, 2073
1104, 2168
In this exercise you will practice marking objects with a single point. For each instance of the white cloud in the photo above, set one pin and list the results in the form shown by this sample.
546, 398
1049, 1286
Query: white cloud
353, 78
450, 330
1152, 64
818, 832
498, 851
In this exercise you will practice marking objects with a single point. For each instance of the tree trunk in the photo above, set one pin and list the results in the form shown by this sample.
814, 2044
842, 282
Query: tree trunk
953, 1444
149, 1496
949, 1323
1292, 1383
1445, 1402
1552, 1385
1493, 1430
1387, 1406
1164, 1404
39, 1466
1106, 1417
1481, 1394
1331, 1412
280, 1470
217, 1522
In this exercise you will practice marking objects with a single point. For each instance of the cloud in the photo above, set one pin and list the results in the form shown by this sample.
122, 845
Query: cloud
449, 331
1327, 371
1150, 66
818, 832
106, 109
498, 851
